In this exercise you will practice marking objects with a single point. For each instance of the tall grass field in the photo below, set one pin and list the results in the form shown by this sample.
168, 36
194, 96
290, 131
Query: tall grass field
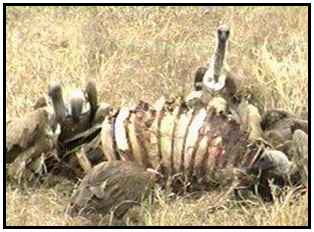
143, 52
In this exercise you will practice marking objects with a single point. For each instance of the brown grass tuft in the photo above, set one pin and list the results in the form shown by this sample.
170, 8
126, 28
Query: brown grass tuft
142, 53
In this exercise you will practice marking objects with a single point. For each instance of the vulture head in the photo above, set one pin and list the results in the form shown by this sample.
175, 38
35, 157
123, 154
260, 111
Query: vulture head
223, 32
272, 166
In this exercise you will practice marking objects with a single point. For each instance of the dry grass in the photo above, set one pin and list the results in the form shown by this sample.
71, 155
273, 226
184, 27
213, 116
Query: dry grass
142, 53
45, 206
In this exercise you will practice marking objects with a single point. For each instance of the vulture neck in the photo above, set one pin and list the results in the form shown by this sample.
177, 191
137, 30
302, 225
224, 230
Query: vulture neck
59, 108
218, 59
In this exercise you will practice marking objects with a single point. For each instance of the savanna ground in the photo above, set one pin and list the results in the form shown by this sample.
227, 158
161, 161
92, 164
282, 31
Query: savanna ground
143, 53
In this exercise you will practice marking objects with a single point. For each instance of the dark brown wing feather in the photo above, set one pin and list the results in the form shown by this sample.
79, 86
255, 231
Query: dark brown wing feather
23, 132
116, 185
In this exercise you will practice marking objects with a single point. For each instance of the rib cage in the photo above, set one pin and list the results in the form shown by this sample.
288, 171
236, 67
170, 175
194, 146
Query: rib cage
195, 142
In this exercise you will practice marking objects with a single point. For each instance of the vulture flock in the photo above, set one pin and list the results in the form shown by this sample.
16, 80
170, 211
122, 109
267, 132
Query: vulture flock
213, 137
